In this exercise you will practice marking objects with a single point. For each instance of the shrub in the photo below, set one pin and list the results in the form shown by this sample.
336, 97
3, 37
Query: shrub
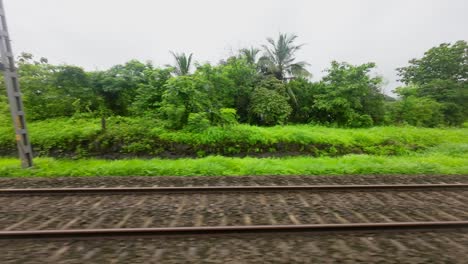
269, 107
173, 115
356, 120
197, 122
147, 137
416, 111
227, 116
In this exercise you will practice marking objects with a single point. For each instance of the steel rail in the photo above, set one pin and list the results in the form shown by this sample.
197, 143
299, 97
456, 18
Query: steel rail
132, 190
230, 230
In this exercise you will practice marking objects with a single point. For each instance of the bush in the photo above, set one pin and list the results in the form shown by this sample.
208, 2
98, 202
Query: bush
269, 107
416, 111
173, 115
130, 137
348, 95
226, 117
356, 120
197, 122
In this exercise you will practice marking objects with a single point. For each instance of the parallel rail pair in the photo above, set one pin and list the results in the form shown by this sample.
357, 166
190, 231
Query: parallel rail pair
224, 230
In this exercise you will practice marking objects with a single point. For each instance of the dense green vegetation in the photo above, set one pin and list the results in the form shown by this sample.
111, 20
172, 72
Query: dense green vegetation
267, 87
258, 103
442, 160
131, 137
441, 79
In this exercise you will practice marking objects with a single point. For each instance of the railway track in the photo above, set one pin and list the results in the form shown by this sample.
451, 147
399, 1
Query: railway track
207, 189
256, 223
228, 230
154, 211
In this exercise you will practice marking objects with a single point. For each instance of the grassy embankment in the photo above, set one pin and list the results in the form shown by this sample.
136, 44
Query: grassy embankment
379, 150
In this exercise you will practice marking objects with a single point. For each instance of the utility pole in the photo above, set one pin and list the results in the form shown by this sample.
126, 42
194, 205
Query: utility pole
14, 93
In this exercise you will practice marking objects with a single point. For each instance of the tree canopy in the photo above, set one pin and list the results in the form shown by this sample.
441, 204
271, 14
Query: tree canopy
279, 58
442, 75
262, 86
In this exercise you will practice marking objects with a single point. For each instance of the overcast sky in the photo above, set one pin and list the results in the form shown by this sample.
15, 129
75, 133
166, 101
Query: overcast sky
97, 34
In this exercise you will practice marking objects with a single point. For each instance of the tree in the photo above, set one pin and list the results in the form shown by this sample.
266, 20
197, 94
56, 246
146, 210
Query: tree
208, 91
74, 82
442, 75
183, 96
250, 55
182, 63
444, 62
452, 95
117, 86
71, 78
306, 93
348, 96
279, 58
268, 107
149, 95
415, 111
41, 96
217, 85
230, 84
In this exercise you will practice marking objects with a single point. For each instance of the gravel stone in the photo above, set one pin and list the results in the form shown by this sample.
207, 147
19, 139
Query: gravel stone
408, 248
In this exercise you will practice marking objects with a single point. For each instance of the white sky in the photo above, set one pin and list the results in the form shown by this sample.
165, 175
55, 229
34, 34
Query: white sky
97, 34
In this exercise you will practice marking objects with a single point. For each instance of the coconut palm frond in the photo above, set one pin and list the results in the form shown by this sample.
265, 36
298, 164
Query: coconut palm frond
182, 63
298, 70
250, 54
281, 57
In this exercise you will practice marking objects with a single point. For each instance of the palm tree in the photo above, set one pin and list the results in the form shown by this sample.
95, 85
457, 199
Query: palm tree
250, 54
279, 58
182, 63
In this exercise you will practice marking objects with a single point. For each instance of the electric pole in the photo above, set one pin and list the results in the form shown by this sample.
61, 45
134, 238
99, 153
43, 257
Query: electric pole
14, 93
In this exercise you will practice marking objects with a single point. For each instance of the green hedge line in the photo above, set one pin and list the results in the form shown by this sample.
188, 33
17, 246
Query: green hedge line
126, 137
217, 166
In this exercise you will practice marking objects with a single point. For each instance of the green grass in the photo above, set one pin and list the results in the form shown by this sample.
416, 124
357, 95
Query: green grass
428, 163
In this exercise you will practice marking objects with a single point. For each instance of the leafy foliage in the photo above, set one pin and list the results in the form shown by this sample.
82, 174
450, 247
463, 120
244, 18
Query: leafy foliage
227, 117
262, 90
445, 62
197, 122
416, 111
183, 96
349, 96
117, 86
149, 95
250, 55
269, 107
173, 112
279, 58
442, 75
130, 137
43, 96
